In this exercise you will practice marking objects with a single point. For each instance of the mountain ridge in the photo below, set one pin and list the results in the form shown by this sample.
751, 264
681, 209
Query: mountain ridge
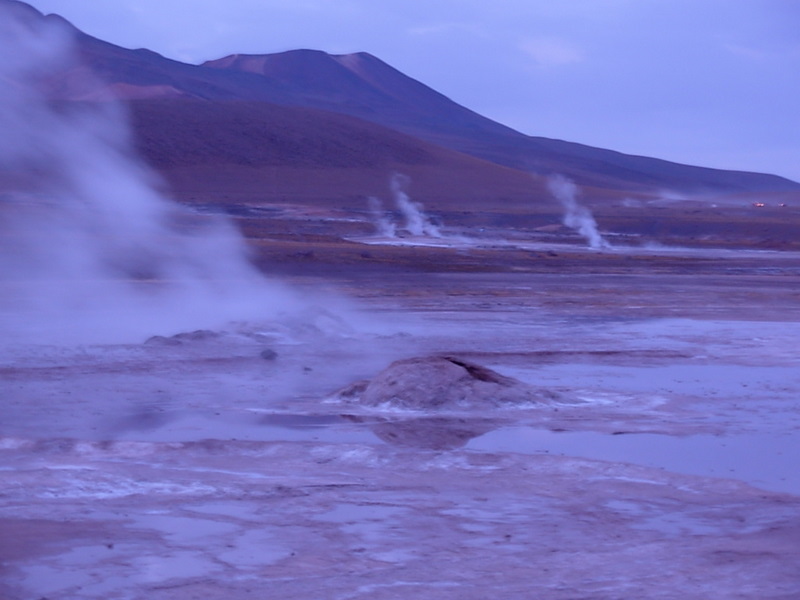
363, 86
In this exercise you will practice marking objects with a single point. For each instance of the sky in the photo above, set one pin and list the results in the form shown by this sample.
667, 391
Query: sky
708, 82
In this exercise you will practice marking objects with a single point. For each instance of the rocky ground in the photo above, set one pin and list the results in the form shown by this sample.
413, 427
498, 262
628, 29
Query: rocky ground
641, 448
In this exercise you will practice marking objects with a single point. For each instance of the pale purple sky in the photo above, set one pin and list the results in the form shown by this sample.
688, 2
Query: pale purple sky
708, 82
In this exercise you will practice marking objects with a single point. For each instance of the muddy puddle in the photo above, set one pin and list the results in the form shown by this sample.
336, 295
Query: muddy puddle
767, 461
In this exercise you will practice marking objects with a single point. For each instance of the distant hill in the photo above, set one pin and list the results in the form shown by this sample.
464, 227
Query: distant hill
364, 86
307, 108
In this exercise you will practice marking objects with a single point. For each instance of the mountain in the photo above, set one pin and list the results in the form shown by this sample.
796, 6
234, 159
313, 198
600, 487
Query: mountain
216, 136
351, 90
261, 152
364, 86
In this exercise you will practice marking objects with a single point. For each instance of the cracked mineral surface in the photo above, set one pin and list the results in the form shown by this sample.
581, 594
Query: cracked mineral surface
229, 464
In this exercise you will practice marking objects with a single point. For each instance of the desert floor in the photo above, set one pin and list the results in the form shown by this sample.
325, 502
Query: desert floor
223, 463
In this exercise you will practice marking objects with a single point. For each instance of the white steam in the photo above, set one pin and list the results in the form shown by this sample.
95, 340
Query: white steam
416, 222
89, 249
382, 220
576, 216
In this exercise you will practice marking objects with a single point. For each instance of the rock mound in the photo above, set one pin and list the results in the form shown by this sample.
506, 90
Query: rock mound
442, 382
201, 335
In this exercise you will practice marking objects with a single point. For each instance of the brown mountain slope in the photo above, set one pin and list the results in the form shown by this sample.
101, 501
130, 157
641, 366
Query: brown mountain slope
363, 86
248, 152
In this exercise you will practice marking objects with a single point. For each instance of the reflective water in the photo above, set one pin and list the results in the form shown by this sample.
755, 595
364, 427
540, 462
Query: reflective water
767, 461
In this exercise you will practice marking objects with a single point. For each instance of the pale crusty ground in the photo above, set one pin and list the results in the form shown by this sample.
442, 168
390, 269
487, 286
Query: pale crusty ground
160, 470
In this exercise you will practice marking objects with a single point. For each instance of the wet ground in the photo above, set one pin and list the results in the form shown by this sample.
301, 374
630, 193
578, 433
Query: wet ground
223, 464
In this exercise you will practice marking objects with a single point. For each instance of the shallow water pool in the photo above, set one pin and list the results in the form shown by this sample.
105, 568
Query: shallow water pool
767, 461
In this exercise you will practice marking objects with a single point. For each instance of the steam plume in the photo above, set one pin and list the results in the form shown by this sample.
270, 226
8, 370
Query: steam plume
417, 222
576, 216
383, 223
89, 248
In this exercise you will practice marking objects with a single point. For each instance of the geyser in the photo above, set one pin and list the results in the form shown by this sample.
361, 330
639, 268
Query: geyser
416, 221
383, 224
90, 250
576, 216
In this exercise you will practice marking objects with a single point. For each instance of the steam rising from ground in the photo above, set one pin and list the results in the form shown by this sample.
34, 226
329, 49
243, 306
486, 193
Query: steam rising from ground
576, 216
416, 222
382, 220
89, 248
